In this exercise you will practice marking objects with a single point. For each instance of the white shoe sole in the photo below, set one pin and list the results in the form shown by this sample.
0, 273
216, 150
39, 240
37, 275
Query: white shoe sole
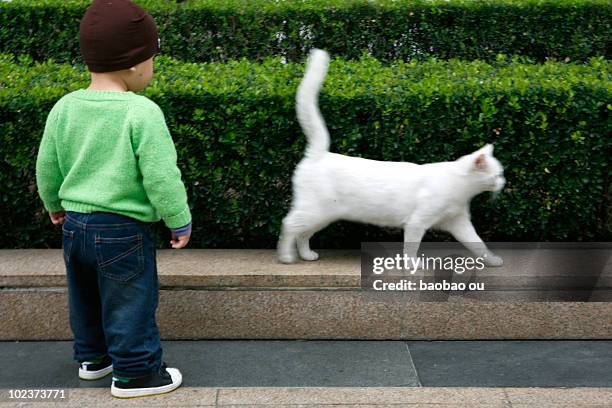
177, 380
95, 375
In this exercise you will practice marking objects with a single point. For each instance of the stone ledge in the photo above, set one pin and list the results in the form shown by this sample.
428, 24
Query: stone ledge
337, 269
206, 268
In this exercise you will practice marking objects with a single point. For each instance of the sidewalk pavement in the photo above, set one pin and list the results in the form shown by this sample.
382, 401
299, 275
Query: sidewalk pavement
326, 373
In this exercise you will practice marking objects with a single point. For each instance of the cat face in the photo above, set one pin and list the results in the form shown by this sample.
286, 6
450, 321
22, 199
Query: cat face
486, 170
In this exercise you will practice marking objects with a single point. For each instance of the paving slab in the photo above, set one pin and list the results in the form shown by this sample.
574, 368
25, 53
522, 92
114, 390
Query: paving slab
229, 363
513, 363
256, 363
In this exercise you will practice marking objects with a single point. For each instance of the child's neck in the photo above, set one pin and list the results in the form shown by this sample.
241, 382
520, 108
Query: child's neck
107, 82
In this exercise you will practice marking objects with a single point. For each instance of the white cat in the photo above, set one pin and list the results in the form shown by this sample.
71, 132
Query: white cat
328, 187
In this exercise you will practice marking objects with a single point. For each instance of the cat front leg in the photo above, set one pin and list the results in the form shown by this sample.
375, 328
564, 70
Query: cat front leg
463, 231
413, 234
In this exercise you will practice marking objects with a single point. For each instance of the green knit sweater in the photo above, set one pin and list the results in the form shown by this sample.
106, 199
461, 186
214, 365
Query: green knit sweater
110, 151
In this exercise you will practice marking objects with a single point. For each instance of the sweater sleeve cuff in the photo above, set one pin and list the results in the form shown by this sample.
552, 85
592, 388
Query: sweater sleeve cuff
55, 206
179, 232
179, 220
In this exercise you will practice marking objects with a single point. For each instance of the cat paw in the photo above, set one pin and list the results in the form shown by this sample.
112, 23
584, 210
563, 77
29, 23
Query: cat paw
287, 258
310, 256
493, 260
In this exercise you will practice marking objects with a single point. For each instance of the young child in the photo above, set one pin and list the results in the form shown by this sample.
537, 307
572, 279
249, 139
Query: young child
106, 170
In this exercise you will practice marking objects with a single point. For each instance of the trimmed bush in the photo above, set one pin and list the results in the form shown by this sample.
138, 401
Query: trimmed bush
238, 140
220, 30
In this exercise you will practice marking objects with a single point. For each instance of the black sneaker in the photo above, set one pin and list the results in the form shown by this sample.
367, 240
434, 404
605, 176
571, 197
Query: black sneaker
96, 368
160, 382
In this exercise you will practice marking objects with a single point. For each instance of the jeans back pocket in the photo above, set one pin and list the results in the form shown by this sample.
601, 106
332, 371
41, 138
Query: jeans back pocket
118, 257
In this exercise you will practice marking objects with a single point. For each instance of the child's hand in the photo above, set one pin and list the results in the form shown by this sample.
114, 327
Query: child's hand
57, 218
180, 242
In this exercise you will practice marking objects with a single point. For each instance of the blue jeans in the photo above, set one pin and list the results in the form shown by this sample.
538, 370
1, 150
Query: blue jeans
113, 290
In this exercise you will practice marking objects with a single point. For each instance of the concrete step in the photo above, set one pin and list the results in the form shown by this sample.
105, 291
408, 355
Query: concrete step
247, 294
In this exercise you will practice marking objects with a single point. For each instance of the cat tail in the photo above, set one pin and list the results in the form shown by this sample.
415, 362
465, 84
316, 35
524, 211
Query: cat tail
307, 104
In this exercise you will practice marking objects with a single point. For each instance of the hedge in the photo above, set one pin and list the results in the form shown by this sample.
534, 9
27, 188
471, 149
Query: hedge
238, 140
221, 30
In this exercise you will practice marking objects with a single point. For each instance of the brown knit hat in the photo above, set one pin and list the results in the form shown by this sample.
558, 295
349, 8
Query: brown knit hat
116, 35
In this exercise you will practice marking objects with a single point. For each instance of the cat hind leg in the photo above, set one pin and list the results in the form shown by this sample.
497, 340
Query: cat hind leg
286, 248
298, 228
303, 240
303, 245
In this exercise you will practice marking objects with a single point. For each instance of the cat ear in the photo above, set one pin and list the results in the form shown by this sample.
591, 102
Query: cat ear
480, 163
488, 149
